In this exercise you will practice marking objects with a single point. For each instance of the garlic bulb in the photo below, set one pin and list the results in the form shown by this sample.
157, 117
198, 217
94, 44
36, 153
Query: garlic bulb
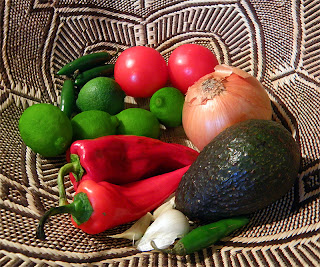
169, 225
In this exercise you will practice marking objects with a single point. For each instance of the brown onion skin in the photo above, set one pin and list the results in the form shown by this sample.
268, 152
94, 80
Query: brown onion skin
208, 112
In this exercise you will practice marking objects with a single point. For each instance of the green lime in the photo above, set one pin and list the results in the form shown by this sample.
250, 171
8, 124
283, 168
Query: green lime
138, 121
167, 104
45, 129
101, 93
93, 124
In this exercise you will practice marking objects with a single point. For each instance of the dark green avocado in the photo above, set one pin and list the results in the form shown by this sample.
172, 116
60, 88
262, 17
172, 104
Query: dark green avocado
245, 168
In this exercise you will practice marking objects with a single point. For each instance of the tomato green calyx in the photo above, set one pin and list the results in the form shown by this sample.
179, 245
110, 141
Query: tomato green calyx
80, 209
75, 167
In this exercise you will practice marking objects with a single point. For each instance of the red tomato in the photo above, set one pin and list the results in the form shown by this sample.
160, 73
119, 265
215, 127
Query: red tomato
188, 63
141, 71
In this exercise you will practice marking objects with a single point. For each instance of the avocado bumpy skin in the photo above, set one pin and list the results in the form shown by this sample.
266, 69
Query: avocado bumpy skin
245, 168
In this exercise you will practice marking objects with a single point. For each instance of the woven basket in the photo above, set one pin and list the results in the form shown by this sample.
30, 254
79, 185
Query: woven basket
276, 41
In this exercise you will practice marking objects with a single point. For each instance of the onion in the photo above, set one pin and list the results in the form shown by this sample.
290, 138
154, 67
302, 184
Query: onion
220, 99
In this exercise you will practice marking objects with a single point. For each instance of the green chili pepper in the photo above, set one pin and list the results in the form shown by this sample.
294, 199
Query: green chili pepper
83, 77
68, 99
85, 62
205, 236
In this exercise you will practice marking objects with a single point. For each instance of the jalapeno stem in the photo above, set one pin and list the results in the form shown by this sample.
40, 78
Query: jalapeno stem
80, 209
75, 168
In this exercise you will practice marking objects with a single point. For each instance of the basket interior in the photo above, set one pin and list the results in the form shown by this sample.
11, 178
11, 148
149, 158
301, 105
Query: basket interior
275, 41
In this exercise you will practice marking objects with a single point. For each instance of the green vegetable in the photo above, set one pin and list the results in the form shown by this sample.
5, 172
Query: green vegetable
84, 77
85, 62
205, 236
68, 99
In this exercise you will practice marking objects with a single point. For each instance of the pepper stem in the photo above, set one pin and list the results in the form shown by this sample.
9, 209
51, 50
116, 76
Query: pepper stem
80, 209
75, 167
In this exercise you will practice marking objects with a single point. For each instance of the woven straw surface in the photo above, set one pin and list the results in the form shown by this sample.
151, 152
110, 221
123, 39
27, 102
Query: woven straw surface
276, 41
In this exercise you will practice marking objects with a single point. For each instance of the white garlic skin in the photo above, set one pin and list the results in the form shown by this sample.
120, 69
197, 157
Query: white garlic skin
170, 225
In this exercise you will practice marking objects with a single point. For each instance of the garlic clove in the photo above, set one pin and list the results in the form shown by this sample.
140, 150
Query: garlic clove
137, 230
161, 242
169, 204
170, 225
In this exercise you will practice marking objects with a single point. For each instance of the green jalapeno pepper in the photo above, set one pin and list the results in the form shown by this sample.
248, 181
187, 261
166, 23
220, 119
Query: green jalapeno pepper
68, 100
84, 77
205, 236
85, 62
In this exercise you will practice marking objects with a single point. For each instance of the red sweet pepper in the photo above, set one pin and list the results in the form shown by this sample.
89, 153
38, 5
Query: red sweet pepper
99, 206
122, 159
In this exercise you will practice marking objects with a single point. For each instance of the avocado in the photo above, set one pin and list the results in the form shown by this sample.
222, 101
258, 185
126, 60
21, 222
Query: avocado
245, 168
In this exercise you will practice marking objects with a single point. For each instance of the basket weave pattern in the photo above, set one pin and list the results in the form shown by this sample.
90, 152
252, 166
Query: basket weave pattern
276, 41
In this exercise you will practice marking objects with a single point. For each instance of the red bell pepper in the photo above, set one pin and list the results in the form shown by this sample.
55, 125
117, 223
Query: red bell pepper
99, 206
122, 159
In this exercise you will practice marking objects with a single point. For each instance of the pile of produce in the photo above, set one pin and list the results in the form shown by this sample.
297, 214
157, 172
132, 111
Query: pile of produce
178, 199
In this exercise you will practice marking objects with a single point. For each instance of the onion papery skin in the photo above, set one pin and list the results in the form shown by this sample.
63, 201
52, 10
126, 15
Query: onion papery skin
220, 99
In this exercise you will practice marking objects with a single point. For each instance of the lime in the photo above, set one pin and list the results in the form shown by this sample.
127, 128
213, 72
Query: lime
167, 104
101, 93
93, 124
138, 121
45, 129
